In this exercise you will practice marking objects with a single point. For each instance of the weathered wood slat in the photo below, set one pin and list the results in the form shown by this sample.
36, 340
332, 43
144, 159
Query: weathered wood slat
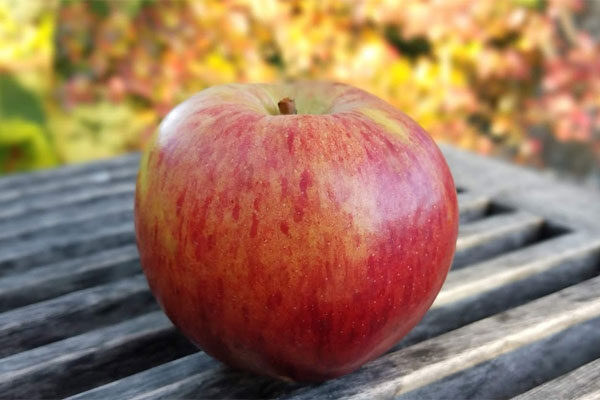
472, 206
517, 265
525, 189
392, 374
94, 358
11, 182
53, 280
538, 270
495, 235
41, 323
86, 195
582, 383
18, 258
514, 372
61, 216
78, 223
52, 186
147, 384
417, 366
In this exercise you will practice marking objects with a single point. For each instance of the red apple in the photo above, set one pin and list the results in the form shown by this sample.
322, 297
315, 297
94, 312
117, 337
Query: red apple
294, 245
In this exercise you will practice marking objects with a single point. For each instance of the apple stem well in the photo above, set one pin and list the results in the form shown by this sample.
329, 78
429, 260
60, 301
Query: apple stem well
287, 106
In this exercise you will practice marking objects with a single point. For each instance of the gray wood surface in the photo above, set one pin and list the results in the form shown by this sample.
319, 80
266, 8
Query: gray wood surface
20, 258
50, 320
95, 357
525, 189
77, 182
90, 170
46, 282
150, 383
514, 372
520, 264
582, 383
81, 224
31, 205
472, 206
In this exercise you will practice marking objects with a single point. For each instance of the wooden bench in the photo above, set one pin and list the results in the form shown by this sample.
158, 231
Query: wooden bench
519, 314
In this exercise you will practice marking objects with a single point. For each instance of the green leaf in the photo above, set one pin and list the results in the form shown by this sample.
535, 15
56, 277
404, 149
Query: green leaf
24, 145
18, 102
99, 7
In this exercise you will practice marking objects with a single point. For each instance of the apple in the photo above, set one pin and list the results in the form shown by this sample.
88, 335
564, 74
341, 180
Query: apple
296, 230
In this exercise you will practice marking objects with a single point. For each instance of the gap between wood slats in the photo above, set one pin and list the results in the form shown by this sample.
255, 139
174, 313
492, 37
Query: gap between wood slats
474, 206
498, 234
514, 266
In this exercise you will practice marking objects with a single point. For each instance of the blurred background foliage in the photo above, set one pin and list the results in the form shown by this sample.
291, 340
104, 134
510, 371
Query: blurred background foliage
81, 80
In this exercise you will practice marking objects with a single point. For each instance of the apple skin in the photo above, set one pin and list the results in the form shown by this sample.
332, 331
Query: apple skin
296, 246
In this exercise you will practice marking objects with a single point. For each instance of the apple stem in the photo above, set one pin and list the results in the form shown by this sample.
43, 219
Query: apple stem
287, 106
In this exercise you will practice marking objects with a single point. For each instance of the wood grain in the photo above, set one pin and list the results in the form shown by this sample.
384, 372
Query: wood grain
89, 169
46, 282
515, 372
28, 206
164, 378
582, 383
40, 323
19, 258
94, 358
463, 301
75, 183
80, 222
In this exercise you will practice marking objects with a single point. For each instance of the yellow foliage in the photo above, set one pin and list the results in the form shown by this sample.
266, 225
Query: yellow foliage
107, 71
